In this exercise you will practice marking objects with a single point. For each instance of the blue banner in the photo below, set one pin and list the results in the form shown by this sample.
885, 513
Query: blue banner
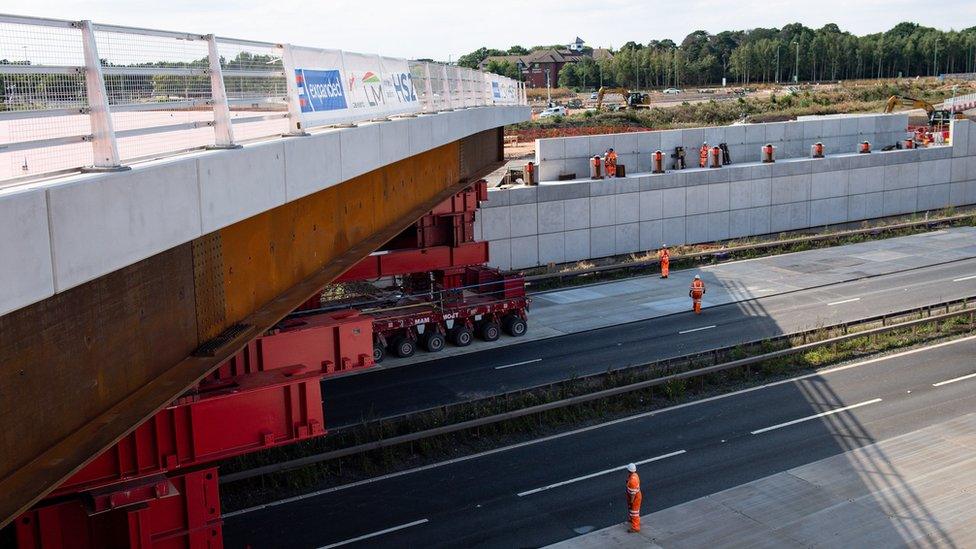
320, 90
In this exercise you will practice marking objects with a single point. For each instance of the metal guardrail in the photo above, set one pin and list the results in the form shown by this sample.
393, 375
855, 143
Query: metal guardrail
83, 95
744, 248
967, 310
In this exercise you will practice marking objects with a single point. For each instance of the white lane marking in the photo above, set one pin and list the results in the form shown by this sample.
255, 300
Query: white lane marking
599, 473
953, 380
518, 363
374, 534
852, 300
815, 416
587, 429
964, 278
696, 329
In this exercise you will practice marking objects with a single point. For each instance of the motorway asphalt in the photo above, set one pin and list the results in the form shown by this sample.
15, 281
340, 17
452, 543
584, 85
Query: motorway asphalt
459, 378
551, 489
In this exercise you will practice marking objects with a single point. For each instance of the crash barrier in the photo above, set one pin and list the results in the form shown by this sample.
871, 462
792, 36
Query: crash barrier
892, 322
83, 95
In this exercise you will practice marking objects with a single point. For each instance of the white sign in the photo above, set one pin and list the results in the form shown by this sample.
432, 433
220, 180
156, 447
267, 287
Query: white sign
334, 87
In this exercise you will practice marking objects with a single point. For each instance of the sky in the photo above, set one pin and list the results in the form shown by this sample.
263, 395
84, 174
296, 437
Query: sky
442, 29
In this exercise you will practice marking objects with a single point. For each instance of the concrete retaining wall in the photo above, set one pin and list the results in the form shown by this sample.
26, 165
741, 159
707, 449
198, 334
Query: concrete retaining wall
583, 219
60, 233
568, 155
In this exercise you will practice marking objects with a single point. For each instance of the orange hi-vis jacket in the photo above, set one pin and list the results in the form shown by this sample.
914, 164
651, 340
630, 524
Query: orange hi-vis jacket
697, 288
610, 162
703, 156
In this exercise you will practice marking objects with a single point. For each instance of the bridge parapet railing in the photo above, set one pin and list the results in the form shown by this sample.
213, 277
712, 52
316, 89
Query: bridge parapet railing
77, 95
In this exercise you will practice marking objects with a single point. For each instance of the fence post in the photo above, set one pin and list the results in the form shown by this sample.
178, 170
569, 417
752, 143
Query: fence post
223, 128
105, 149
431, 107
291, 85
447, 88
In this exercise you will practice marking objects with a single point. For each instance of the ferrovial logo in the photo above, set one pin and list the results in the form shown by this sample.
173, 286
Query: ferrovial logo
320, 90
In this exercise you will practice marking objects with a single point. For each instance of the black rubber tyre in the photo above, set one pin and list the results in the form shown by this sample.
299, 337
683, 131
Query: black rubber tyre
403, 347
515, 326
379, 353
489, 331
434, 342
462, 337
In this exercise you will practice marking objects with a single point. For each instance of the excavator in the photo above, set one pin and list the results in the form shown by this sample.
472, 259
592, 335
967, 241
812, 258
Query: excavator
936, 117
635, 100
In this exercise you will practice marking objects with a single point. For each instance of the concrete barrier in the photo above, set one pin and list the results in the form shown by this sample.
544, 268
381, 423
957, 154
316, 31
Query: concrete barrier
582, 219
568, 155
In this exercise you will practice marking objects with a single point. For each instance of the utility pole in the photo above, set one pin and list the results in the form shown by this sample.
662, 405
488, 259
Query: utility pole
548, 90
796, 68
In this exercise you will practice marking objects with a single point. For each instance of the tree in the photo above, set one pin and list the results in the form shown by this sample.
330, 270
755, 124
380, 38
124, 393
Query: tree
473, 59
517, 50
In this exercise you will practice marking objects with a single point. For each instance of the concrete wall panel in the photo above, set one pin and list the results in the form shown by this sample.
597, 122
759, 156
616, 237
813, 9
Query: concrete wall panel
525, 251
26, 268
651, 205
105, 223
602, 211
577, 245
552, 217
552, 248
311, 164
577, 213
237, 184
626, 238
651, 234
601, 241
525, 221
627, 207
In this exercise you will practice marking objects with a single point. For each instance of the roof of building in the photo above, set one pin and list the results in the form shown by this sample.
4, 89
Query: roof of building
601, 53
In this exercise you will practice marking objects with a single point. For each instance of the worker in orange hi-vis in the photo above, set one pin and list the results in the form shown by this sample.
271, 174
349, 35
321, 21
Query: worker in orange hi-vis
703, 155
665, 257
633, 498
696, 292
610, 163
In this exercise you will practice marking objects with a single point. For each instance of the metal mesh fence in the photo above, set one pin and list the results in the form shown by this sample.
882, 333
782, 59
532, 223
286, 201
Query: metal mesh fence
43, 98
163, 93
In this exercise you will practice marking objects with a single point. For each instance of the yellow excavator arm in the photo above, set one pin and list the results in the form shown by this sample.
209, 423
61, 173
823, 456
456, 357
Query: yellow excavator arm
896, 100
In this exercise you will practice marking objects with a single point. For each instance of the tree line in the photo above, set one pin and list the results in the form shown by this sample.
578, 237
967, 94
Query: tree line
766, 55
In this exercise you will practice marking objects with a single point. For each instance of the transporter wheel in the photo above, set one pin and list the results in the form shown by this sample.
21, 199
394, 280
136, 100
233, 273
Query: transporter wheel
462, 337
515, 326
433, 342
489, 331
379, 353
403, 346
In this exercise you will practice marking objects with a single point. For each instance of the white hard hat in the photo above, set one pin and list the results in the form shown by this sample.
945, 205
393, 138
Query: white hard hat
697, 277
631, 467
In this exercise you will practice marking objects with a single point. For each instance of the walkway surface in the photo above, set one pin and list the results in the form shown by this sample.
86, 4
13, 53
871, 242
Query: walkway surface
914, 490
562, 312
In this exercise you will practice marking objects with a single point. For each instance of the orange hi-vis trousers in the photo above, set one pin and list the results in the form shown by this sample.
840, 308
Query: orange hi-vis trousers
634, 501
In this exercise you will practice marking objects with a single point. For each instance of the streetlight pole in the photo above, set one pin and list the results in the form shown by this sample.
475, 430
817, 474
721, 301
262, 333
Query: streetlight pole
796, 68
935, 59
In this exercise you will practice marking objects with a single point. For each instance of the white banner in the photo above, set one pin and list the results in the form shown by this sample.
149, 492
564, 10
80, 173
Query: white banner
334, 87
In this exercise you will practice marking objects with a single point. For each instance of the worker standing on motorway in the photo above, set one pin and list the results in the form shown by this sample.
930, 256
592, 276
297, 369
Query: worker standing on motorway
610, 163
633, 498
665, 257
696, 292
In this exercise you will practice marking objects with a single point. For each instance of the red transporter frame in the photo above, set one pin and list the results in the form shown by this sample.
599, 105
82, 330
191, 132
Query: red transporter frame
139, 493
